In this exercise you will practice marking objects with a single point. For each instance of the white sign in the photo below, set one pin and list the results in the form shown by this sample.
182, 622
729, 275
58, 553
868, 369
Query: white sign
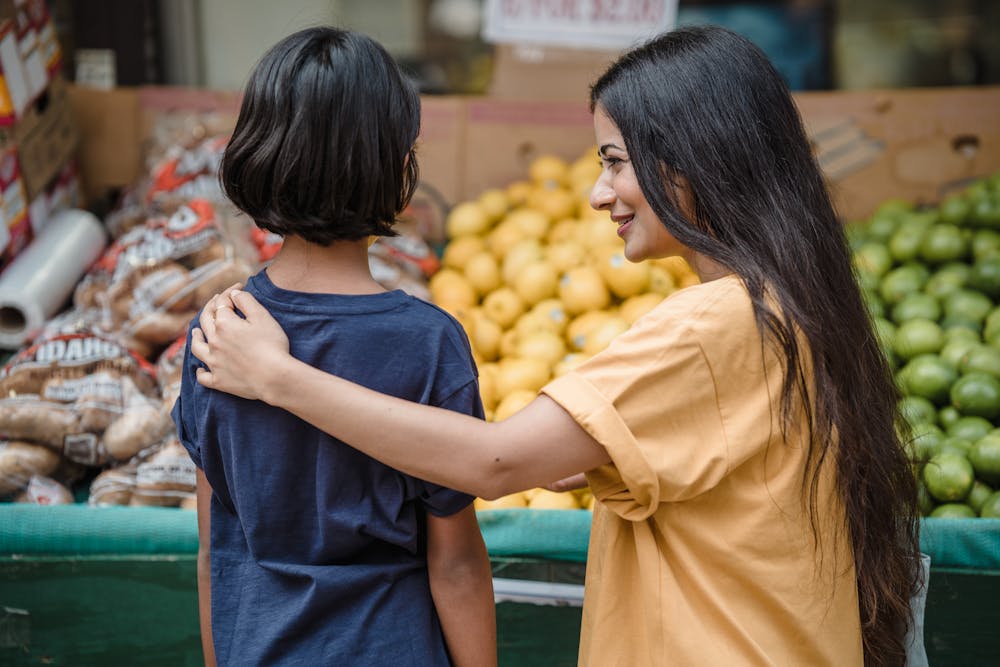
596, 24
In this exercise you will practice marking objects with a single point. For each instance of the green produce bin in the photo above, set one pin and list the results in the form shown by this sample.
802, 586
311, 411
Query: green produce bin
99, 587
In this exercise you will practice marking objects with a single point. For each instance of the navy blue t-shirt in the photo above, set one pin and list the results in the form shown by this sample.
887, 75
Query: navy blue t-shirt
317, 550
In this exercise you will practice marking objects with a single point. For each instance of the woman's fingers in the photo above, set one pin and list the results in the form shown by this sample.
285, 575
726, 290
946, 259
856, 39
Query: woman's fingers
248, 305
199, 346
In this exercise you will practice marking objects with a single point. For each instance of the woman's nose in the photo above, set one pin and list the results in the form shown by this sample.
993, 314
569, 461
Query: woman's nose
602, 195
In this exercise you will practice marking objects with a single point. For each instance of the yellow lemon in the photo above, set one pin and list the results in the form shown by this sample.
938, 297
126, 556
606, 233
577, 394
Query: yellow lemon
555, 203
582, 289
508, 343
580, 326
521, 373
503, 237
624, 278
485, 337
567, 229
584, 171
598, 233
677, 266
487, 388
551, 500
554, 311
449, 286
661, 281
536, 281
533, 321
568, 363
459, 250
503, 306
519, 255
548, 170
512, 403
483, 272
466, 219
564, 255
533, 223
494, 202
517, 192
545, 345
513, 500
635, 307
600, 336
688, 281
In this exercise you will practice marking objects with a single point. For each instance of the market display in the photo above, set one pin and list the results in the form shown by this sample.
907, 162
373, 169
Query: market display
931, 278
540, 282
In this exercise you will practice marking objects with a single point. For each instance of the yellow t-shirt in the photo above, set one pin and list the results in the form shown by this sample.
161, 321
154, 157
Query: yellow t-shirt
701, 550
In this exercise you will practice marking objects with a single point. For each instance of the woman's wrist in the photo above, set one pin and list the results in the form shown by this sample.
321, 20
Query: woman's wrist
274, 383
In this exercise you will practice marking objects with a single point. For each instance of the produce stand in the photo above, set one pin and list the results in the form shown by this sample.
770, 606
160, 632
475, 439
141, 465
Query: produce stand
106, 586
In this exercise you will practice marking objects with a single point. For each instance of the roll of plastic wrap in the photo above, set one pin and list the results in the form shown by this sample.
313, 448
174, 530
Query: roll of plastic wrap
40, 279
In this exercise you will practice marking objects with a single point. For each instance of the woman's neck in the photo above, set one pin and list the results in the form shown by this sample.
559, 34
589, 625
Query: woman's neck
339, 268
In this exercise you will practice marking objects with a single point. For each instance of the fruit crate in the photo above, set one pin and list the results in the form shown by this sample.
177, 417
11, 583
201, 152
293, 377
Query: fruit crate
113, 586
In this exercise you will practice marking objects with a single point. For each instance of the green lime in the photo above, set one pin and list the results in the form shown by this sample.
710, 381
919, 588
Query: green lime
985, 458
947, 278
982, 359
918, 336
925, 501
955, 350
924, 441
977, 394
954, 444
873, 258
985, 243
881, 227
873, 302
978, 496
985, 276
894, 208
901, 281
918, 410
953, 511
966, 305
948, 476
954, 209
904, 245
991, 507
952, 334
969, 427
928, 376
916, 306
943, 243
948, 415
986, 213
991, 326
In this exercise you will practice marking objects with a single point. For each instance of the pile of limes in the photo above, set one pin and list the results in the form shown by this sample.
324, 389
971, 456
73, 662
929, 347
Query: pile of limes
931, 279
540, 283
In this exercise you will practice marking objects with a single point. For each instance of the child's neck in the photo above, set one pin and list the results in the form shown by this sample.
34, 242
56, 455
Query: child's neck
340, 268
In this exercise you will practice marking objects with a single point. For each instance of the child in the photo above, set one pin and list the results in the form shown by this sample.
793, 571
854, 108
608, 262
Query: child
320, 555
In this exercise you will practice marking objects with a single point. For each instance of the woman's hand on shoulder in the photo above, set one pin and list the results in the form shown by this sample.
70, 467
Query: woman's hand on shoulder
240, 352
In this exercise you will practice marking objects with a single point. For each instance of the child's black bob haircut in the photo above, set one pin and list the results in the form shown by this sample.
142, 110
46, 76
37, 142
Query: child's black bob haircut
324, 145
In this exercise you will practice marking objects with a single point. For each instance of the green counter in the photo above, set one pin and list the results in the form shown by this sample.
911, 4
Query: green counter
87, 586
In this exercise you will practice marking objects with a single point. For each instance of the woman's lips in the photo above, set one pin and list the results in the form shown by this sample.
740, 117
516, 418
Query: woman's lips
623, 225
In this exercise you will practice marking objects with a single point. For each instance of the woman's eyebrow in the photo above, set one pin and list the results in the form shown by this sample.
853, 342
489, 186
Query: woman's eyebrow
602, 151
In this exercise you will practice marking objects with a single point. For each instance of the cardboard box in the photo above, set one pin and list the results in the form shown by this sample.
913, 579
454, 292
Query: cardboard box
873, 145
30, 56
48, 141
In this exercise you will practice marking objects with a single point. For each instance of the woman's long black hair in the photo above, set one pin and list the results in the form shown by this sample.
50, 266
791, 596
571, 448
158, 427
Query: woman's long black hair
706, 104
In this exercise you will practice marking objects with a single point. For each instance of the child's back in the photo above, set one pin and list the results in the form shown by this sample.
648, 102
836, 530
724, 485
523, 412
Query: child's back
317, 550
318, 554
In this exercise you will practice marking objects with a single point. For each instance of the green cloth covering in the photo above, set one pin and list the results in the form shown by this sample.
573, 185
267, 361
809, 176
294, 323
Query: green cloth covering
559, 535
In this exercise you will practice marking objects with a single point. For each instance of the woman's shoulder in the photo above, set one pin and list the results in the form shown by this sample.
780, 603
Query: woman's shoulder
723, 302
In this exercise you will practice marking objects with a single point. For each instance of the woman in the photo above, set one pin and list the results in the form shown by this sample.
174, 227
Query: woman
755, 505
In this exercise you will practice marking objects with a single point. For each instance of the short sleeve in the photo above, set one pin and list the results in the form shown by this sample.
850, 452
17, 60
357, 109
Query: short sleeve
182, 413
440, 500
677, 401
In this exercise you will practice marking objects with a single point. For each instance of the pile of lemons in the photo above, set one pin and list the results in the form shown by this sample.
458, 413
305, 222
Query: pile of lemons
540, 283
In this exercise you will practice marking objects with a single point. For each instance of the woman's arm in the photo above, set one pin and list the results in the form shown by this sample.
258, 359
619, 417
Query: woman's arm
204, 491
461, 582
249, 357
